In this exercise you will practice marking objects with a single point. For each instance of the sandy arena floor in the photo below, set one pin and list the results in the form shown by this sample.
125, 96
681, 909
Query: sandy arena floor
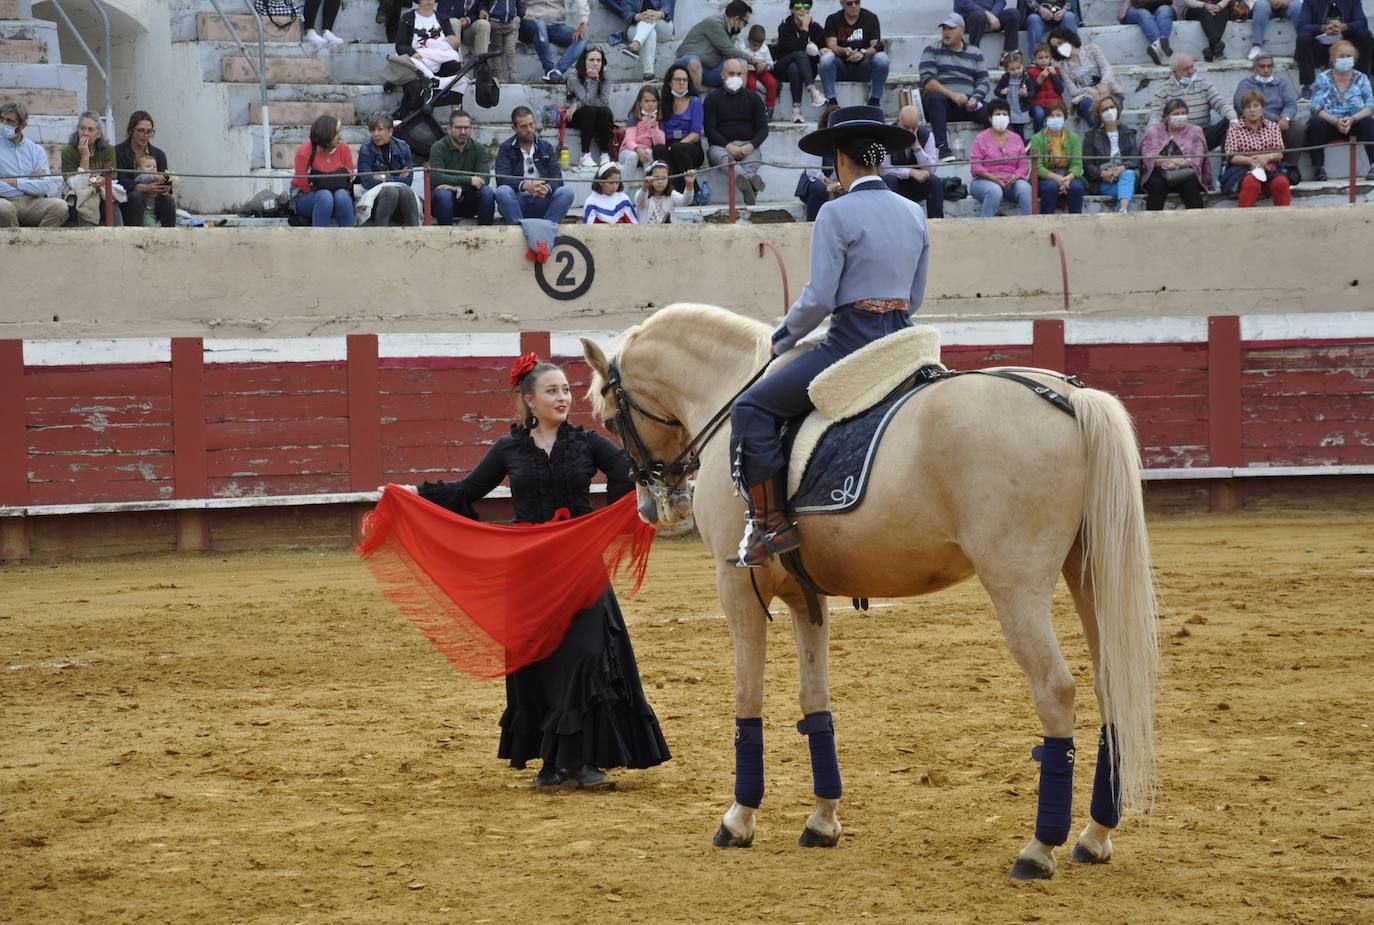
260, 738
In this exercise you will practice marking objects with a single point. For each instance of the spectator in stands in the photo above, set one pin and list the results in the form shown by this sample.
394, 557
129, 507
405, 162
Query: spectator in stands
759, 64
386, 165
911, 171
1324, 23
326, 21
1260, 14
1087, 74
1058, 154
656, 199
1111, 155
954, 82
818, 183
505, 18
711, 42
607, 203
1015, 88
139, 140
800, 40
643, 133
999, 164
1341, 108
86, 159
683, 125
736, 127
470, 23
1156, 19
324, 177
589, 96
1254, 156
1214, 16
981, 16
1040, 16
1280, 103
1174, 152
461, 175
148, 175
427, 39
854, 51
1047, 84
530, 183
546, 24
1200, 98
647, 22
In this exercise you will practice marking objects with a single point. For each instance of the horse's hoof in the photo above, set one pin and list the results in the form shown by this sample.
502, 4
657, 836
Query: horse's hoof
1025, 869
1081, 855
810, 838
727, 839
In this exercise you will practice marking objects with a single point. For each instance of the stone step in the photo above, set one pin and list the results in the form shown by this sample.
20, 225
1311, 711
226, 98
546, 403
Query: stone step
41, 102
69, 77
33, 30
210, 28
23, 51
279, 70
287, 113
11, 9
49, 130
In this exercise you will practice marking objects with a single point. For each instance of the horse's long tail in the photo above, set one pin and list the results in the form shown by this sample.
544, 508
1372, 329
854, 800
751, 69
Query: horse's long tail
1116, 554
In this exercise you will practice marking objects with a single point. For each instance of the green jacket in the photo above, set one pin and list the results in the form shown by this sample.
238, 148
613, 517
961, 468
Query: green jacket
710, 40
452, 167
1040, 147
104, 159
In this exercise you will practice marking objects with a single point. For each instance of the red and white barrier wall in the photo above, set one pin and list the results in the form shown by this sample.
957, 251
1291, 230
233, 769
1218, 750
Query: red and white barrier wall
136, 444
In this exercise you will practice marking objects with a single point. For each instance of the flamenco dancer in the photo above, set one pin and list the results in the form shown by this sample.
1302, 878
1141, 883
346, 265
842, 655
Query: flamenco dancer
582, 709
869, 250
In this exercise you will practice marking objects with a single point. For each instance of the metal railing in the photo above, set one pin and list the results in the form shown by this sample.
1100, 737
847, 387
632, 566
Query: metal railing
103, 69
260, 69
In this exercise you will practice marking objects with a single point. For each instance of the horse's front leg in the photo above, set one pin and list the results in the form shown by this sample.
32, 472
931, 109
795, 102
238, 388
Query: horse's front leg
813, 662
748, 631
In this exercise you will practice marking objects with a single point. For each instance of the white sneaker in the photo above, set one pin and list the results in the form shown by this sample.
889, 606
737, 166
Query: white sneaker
797, 114
1255, 52
314, 38
333, 39
587, 163
605, 159
817, 97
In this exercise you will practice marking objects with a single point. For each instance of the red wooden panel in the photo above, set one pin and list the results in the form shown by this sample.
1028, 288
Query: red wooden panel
1310, 356
303, 432
1047, 345
322, 376
364, 413
1259, 405
982, 357
1317, 382
1106, 358
1309, 456
155, 438
1174, 457
188, 413
245, 486
1139, 384
241, 463
276, 407
1300, 435
469, 406
456, 381
1223, 390
98, 492
14, 480
90, 383
114, 467
444, 459
536, 342
74, 411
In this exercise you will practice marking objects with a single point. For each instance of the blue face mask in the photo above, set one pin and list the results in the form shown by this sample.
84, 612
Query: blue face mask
8, 131
1185, 81
1055, 123
1345, 64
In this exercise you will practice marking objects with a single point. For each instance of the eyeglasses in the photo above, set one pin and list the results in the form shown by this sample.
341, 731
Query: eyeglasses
145, 131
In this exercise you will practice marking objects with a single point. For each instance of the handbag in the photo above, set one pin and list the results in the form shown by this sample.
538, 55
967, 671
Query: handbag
485, 88
331, 180
281, 13
1175, 177
617, 141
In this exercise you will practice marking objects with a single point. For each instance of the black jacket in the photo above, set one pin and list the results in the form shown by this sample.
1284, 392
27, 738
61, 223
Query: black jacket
1096, 144
405, 33
790, 39
125, 171
540, 483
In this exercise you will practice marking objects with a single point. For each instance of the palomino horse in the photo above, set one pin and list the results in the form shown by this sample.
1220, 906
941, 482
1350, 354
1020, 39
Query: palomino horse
976, 475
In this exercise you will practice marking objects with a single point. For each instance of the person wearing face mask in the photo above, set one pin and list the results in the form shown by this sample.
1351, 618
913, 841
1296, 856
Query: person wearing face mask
1174, 152
1280, 103
1254, 156
1087, 74
1322, 24
999, 164
1111, 155
28, 196
1341, 108
710, 43
683, 123
736, 128
1058, 155
1199, 95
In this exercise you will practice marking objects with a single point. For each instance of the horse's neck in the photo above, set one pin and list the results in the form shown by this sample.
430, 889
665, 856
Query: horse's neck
700, 375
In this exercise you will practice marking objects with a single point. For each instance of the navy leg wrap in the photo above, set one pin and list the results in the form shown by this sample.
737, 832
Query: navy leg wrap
1106, 804
819, 729
749, 761
1054, 815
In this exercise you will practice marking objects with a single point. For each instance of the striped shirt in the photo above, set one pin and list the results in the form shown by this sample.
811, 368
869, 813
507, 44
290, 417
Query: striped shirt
962, 71
1201, 97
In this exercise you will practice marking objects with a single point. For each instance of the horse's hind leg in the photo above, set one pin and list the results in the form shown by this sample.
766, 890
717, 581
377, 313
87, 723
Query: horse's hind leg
813, 669
1024, 611
1095, 842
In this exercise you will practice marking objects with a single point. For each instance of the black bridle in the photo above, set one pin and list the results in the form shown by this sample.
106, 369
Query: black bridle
647, 470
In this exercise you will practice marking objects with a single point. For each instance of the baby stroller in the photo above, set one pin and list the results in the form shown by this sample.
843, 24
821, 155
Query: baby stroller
420, 95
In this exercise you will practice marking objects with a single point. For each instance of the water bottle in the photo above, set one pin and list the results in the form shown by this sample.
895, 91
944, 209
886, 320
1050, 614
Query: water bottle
564, 158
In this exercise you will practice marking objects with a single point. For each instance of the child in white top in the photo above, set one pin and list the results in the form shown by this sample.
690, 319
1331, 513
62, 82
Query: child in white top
657, 199
607, 203
754, 45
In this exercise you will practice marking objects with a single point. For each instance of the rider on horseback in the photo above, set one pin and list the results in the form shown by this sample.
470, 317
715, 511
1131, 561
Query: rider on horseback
869, 251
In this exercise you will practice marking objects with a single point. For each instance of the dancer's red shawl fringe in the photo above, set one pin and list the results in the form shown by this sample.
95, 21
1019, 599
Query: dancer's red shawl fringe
497, 598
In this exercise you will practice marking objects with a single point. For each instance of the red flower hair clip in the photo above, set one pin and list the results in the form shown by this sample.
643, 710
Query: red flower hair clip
520, 367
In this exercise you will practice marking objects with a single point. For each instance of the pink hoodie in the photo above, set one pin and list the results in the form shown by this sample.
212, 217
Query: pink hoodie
640, 135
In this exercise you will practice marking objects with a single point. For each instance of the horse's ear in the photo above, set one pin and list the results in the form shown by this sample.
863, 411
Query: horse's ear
596, 357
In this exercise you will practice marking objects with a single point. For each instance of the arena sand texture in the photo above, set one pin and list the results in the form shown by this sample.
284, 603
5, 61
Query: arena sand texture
259, 737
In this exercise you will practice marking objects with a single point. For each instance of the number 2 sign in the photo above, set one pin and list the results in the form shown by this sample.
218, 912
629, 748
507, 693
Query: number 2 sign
569, 271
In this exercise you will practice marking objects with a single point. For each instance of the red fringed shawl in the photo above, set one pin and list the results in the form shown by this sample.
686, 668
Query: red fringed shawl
497, 598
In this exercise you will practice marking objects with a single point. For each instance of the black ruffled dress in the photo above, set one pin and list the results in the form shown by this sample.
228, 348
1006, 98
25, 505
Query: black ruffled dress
584, 704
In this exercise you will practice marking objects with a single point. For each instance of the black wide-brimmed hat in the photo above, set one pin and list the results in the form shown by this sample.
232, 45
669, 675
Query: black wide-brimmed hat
849, 122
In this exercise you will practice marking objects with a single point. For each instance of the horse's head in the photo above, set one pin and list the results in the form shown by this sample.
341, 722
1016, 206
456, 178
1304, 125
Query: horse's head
656, 440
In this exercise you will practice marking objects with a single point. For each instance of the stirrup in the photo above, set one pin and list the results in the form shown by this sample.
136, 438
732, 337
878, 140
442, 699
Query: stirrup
767, 545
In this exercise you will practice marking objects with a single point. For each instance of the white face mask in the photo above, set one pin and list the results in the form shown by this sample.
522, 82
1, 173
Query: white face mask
679, 93
1055, 123
1109, 115
1264, 80
8, 131
1178, 120
733, 84
1063, 49
1001, 121
1345, 64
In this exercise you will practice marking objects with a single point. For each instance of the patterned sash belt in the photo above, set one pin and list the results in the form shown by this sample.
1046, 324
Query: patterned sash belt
879, 306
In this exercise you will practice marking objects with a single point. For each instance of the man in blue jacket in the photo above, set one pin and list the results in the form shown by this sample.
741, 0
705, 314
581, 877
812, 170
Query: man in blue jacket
1322, 24
529, 181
